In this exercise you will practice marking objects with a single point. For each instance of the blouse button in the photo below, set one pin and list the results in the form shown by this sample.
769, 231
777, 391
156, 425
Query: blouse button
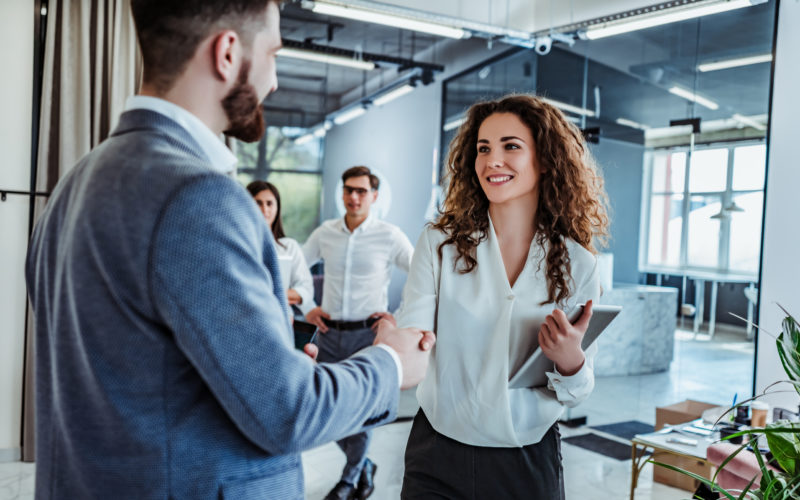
510, 297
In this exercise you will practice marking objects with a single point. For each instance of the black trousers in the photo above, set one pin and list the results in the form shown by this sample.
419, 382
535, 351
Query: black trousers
440, 467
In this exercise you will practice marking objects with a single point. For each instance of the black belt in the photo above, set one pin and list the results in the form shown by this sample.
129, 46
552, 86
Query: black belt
350, 325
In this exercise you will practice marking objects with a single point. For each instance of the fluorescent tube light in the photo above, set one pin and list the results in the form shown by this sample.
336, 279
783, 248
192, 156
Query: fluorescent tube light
454, 123
734, 63
665, 16
348, 115
299, 141
630, 123
691, 96
749, 121
394, 21
310, 55
393, 94
320, 132
568, 107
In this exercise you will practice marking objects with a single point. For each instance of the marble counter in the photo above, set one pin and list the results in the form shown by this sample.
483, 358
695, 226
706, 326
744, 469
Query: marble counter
642, 338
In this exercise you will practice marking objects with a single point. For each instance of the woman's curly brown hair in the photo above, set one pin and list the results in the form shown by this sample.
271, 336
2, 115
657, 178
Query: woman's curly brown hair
572, 201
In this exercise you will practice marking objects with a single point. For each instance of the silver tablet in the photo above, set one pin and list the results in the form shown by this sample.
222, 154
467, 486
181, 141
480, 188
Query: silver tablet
532, 372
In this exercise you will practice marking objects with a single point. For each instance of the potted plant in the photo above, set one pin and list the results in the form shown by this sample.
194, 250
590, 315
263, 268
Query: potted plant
780, 477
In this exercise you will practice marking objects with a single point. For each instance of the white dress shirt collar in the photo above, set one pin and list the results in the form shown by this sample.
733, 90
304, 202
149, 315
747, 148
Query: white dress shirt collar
361, 227
221, 158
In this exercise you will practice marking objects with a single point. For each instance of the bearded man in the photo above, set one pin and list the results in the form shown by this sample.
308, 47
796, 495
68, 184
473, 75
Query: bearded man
164, 361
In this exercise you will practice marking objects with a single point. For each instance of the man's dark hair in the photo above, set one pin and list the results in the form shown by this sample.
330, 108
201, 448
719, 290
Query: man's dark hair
360, 171
169, 31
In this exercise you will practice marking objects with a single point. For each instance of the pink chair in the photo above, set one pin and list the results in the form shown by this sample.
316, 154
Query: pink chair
738, 472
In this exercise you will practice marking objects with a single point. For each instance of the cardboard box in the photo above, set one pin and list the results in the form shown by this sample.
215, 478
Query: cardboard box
680, 413
676, 479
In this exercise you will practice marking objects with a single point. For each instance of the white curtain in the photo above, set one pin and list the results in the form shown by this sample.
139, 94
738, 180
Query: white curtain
91, 65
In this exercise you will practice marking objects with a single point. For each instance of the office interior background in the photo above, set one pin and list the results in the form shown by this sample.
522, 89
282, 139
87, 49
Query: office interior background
692, 124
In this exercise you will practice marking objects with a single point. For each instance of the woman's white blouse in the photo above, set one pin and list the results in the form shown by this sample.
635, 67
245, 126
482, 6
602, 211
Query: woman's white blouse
300, 280
486, 331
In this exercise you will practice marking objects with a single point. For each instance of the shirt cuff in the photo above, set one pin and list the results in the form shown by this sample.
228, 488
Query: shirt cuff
396, 359
572, 387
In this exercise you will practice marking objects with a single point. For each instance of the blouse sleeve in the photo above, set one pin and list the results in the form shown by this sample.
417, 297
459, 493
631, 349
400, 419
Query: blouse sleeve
571, 390
419, 295
301, 280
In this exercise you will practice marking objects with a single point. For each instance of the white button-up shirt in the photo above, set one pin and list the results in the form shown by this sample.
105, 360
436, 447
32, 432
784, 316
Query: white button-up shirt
221, 158
299, 277
486, 331
358, 265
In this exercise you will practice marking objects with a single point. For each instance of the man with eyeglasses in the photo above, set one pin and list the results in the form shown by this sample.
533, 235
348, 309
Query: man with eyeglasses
358, 251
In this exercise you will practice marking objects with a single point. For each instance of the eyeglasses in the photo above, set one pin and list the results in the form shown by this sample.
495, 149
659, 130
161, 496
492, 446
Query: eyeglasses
348, 190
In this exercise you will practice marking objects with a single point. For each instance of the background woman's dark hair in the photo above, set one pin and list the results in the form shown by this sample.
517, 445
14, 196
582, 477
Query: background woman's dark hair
572, 201
256, 187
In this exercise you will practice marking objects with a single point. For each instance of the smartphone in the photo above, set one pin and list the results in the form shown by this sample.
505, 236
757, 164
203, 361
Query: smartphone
304, 333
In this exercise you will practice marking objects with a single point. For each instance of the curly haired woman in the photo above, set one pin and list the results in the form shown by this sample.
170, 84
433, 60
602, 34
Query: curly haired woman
512, 250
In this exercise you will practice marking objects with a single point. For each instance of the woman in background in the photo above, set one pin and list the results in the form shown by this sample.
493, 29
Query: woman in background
300, 291
512, 250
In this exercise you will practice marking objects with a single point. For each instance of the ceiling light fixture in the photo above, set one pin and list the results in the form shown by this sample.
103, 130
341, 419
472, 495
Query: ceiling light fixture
664, 16
691, 96
630, 123
395, 21
299, 141
749, 121
350, 114
734, 63
454, 123
393, 94
309, 55
568, 107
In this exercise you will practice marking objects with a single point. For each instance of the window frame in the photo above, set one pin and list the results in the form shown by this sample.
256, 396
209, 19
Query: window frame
726, 197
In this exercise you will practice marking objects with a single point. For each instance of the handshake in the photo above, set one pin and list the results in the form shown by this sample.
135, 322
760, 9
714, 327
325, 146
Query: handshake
412, 346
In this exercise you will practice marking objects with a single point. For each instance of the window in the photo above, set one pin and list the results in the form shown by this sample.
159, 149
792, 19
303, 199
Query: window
705, 215
294, 168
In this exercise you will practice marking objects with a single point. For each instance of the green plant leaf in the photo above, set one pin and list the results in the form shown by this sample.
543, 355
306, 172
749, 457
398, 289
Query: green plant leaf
785, 446
706, 481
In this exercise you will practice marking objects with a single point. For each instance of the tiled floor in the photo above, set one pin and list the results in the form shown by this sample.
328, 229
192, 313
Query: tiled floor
702, 369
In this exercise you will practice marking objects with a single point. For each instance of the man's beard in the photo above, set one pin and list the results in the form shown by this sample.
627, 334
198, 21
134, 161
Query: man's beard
243, 109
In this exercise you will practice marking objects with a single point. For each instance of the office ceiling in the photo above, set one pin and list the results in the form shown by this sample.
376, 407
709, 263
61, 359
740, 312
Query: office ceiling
632, 72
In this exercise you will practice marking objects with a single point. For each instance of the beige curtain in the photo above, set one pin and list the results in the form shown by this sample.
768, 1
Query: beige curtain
91, 65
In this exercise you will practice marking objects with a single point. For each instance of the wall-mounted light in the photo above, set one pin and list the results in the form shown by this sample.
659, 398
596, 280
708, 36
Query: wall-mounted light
568, 107
658, 17
749, 121
394, 94
310, 55
350, 114
396, 21
692, 96
630, 123
734, 63
454, 123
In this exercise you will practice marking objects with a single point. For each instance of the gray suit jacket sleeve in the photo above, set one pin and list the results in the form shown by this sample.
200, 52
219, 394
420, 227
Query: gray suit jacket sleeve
214, 280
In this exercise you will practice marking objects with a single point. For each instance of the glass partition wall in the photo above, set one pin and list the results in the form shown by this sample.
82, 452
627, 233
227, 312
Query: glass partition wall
677, 119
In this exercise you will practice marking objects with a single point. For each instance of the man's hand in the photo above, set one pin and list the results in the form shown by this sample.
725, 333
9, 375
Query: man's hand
293, 297
413, 346
561, 341
312, 350
315, 316
380, 317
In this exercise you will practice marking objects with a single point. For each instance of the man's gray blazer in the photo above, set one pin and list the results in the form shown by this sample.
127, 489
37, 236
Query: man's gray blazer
165, 366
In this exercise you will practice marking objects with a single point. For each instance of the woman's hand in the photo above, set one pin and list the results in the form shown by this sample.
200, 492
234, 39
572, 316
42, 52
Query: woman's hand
293, 297
560, 340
